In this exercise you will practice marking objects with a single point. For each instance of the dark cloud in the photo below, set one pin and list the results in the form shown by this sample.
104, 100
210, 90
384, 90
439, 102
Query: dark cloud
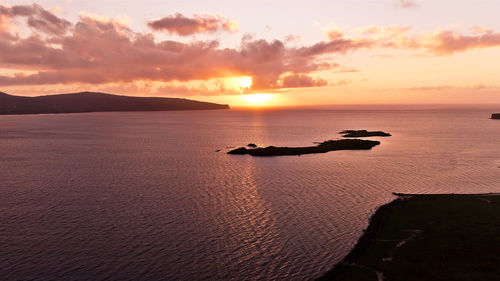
184, 26
37, 18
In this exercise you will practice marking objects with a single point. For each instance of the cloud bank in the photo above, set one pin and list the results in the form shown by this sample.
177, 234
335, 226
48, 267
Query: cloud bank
101, 51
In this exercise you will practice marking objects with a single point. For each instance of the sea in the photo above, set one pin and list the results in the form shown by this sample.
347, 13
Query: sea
154, 196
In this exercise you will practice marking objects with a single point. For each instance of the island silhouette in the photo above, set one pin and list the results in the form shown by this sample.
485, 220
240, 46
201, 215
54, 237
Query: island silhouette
363, 134
323, 147
96, 102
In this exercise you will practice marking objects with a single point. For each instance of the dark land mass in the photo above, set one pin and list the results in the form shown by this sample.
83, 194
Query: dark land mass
495, 116
96, 102
326, 146
363, 134
428, 237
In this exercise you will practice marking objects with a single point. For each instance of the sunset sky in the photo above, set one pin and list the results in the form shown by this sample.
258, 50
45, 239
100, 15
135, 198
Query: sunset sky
256, 53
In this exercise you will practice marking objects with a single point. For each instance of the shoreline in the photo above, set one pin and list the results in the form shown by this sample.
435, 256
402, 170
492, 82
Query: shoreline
362, 262
374, 224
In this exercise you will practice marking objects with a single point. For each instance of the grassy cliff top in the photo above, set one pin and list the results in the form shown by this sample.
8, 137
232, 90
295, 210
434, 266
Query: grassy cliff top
428, 237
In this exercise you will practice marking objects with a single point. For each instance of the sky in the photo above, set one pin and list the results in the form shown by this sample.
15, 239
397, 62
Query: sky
256, 53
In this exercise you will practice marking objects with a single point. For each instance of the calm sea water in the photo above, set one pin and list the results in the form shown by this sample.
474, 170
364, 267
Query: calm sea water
125, 196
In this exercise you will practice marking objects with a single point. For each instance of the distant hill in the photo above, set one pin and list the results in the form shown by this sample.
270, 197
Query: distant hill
96, 102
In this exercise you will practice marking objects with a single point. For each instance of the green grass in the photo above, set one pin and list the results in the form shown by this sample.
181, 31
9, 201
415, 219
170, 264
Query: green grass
448, 237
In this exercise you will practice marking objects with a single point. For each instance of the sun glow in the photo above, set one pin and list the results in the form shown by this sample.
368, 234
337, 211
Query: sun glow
257, 99
245, 82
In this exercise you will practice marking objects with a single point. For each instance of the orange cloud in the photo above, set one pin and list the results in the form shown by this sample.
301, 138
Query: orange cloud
184, 26
480, 29
448, 42
201, 90
442, 42
334, 32
302, 81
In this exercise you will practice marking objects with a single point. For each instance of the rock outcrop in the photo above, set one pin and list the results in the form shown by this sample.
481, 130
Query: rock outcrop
363, 134
326, 146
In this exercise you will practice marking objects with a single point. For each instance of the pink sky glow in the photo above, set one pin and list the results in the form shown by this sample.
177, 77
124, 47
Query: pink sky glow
314, 53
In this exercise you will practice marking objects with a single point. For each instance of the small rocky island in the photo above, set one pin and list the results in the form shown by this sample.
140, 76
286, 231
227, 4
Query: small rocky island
323, 147
363, 134
495, 116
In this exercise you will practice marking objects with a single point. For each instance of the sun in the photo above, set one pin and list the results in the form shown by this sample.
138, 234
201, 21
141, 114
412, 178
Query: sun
257, 99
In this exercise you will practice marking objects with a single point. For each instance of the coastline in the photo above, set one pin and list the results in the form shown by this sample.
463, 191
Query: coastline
373, 254
375, 222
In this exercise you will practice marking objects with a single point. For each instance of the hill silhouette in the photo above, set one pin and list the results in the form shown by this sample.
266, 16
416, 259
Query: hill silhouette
96, 102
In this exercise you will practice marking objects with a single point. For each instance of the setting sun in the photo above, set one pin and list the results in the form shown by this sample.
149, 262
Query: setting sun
257, 99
